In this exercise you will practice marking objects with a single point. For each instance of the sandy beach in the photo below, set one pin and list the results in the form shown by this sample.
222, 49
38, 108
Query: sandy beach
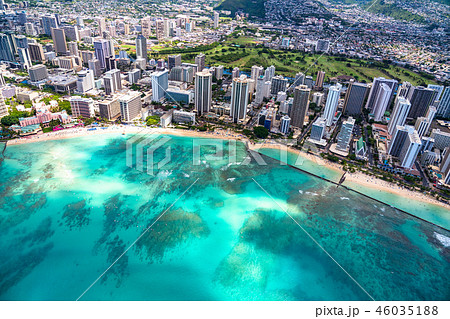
126, 129
357, 177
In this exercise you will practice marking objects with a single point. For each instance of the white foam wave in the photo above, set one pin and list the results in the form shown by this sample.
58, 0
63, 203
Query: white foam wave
443, 239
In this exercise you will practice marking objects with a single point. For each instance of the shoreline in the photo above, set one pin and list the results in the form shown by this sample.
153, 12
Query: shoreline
125, 129
357, 177
360, 178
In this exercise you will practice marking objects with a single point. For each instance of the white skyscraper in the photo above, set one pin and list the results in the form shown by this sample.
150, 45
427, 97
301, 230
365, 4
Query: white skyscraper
269, 73
216, 19
259, 95
423, 123
141, 47
160, 83
410, 149
332, 103
285, 123
200, 60
112, 81
82, 107
257, 71
345, 134
376, 85
381, 102
130, 106
438, 88
401, 110
24, 56
203, 92
239, 98
235, 73
85, 81
318, 129
444, 104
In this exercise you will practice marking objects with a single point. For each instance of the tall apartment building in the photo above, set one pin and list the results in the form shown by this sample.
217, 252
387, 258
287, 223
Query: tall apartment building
160, 83
410, 150
279, 84
345, 134
332, 103
141, 47
441, 139
82, 107
85, 81
319, 80
269, 73
203, 92
36, 52
7, 48
109, 109
374, 91
381, 102
285, 124
200, 60
298, 80
438, 88
354, 98
445, 166
216, 19
73, 49
71, 32
95, 66
421, 98
59, 41
174, 61
403, 90
112, 81
130, 106
239, 98
398, 140
318, 129
102, 50
219, 72
3, 107
300, 105
444, 104
49, 22
86, 56
146, 26
38, 73
399, 114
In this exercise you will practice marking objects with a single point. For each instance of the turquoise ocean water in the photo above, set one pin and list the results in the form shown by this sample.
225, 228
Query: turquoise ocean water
70, 208
436, 214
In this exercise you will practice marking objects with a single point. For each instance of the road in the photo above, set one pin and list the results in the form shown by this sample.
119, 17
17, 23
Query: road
425, 180
369, 148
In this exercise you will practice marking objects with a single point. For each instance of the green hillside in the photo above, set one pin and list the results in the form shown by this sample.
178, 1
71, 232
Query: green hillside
393, 11
252, 7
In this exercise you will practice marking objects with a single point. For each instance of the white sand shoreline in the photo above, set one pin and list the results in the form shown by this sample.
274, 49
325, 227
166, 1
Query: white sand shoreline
357, 177
363, 179
126, 129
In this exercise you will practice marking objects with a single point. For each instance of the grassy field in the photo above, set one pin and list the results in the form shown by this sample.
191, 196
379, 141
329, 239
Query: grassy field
241, 52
